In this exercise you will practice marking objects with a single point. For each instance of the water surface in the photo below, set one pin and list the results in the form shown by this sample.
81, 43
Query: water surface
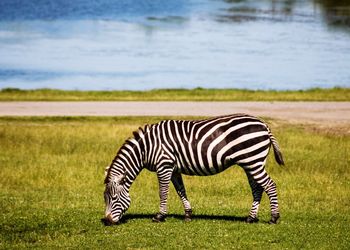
147, 44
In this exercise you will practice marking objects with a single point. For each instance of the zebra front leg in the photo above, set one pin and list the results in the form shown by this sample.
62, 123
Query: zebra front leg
164, 176
181, 191
263, 180
257, 191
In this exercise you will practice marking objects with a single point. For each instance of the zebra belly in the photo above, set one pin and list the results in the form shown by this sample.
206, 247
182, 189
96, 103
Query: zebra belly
189, 169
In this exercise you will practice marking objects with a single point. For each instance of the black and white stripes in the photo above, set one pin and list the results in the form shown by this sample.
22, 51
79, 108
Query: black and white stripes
204, 147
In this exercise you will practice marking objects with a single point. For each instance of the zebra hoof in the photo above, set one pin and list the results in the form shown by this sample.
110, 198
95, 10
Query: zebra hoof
252, 219
274, 218
159, 217
188, 215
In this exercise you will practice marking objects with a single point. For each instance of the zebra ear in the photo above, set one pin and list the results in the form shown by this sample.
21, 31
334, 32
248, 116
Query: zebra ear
106, 171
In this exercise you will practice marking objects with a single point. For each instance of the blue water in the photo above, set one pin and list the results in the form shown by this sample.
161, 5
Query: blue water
148, 44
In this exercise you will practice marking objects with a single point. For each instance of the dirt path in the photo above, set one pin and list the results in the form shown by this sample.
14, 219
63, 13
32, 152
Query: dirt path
327, 113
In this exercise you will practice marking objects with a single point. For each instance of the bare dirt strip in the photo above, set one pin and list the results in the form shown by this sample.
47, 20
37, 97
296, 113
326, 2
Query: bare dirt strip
327, 113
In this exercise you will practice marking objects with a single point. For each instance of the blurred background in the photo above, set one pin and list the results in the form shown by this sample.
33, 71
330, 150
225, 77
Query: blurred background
148, 44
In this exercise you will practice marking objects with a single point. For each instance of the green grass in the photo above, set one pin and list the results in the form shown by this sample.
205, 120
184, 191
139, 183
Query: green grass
51, 185
198, 94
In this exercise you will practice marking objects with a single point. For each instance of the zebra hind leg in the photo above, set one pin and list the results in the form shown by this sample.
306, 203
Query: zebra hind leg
257, 191
181, 191
262, 179
271, 192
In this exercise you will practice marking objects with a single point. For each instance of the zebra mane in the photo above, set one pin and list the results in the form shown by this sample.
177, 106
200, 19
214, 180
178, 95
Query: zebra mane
137, 135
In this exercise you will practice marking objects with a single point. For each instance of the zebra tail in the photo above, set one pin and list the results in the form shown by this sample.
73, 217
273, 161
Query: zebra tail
276, 149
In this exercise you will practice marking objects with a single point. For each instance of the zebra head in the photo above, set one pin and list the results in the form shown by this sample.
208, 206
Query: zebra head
117, 199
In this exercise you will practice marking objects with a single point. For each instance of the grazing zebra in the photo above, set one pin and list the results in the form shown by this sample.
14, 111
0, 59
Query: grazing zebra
204, 147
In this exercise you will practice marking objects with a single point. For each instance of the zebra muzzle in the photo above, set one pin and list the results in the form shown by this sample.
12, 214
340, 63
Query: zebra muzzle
108, 221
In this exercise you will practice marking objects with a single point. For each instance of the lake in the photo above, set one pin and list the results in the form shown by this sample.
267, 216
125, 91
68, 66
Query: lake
149, 44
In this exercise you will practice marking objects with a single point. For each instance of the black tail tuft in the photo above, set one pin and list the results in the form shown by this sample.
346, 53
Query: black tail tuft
276, 150
278, 156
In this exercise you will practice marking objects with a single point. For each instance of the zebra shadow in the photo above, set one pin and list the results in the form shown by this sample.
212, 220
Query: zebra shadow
127, 217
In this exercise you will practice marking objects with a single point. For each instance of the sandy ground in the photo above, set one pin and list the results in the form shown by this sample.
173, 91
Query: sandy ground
326, 113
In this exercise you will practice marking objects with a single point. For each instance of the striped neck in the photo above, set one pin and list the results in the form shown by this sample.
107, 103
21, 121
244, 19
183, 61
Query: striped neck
130, 159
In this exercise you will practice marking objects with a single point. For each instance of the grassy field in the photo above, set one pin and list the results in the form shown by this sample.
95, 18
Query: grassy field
51, 185
198, 94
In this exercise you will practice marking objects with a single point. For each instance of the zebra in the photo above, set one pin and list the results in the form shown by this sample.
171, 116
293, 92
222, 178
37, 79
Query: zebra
199, 147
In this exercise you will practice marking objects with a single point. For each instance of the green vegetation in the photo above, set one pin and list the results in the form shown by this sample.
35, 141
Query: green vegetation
51, 185
198, 94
